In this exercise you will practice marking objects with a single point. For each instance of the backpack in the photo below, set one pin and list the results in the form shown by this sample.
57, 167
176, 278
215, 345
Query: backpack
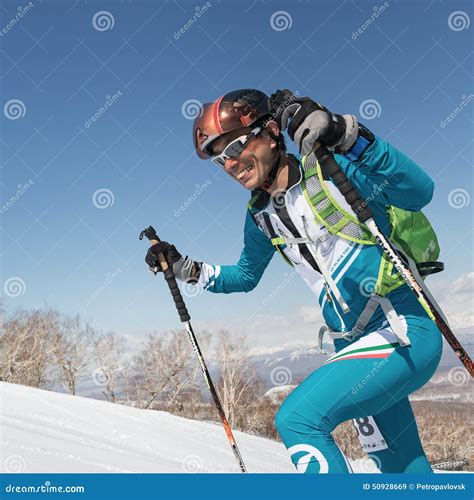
411, 232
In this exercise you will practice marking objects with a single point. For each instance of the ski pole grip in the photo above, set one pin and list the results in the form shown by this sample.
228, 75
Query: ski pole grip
176, 294
330, 166
170, 278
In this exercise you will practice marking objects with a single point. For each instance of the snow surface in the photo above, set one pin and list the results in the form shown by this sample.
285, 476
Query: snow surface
43, 431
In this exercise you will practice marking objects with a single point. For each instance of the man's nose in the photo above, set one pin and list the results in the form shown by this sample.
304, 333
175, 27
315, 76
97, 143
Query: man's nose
231, 164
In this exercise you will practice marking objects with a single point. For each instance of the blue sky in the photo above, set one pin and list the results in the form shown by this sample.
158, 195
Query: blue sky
62, 61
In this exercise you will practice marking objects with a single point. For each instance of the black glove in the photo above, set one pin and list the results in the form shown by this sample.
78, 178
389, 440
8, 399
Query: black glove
185, 269
169, 251
309, 122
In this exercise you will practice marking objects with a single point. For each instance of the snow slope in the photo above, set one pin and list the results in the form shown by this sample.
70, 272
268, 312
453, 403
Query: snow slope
42, 431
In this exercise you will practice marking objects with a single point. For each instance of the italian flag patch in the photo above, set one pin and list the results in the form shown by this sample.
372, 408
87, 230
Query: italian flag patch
352, 352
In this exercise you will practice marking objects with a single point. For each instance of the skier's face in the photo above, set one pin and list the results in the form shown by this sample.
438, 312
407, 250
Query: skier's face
252, 166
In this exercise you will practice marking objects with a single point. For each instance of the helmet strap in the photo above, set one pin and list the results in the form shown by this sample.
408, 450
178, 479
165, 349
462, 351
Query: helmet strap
276, 164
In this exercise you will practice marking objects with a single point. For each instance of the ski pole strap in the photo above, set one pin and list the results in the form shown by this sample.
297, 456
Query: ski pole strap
331, 168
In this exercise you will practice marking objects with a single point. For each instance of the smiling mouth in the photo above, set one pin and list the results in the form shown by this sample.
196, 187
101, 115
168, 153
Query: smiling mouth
243, 172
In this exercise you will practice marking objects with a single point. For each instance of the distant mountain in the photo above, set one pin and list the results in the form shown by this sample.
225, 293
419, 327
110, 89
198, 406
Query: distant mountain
288, 364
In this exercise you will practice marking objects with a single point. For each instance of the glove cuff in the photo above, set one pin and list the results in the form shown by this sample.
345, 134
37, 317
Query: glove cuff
364, 139
350, 134
185, 269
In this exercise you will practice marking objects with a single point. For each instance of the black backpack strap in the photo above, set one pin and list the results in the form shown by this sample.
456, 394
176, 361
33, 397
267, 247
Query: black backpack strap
254, 204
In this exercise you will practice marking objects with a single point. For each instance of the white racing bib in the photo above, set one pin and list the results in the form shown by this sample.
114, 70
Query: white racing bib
370, 437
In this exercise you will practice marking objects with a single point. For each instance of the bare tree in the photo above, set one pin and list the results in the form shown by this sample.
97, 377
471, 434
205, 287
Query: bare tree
73, 350
128, 385
109, 352
166, 371
238, 384
27, 346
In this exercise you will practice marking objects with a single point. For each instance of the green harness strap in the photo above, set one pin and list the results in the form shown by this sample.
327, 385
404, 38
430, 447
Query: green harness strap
325, 208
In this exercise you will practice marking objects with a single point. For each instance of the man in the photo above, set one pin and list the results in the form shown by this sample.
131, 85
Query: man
386, 345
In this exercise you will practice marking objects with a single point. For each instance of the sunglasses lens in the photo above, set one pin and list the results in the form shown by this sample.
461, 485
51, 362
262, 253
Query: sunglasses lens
219, 161
234, 149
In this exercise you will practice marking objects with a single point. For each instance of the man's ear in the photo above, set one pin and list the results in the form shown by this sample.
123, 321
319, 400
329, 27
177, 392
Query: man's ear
273, 128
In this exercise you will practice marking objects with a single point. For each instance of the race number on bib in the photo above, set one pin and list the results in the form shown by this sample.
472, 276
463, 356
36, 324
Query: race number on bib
370, 437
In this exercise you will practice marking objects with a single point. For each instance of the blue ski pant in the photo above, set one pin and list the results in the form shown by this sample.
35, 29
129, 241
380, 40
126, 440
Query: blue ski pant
368, 381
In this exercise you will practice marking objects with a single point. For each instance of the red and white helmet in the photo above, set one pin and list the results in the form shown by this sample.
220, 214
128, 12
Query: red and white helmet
235, 110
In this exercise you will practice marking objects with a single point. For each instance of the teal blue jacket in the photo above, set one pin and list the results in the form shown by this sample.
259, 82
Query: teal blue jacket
406, 186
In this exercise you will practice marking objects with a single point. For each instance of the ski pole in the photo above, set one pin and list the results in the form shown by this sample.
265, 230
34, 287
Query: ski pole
365, 216
185, 318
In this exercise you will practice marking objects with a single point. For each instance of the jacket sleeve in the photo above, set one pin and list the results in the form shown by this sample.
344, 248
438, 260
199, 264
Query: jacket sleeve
245, 275
386, 176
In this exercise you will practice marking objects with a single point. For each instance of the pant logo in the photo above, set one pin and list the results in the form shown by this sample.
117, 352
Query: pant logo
310, 452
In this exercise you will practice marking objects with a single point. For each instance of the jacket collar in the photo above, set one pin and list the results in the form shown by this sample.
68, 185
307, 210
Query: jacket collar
295, 175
